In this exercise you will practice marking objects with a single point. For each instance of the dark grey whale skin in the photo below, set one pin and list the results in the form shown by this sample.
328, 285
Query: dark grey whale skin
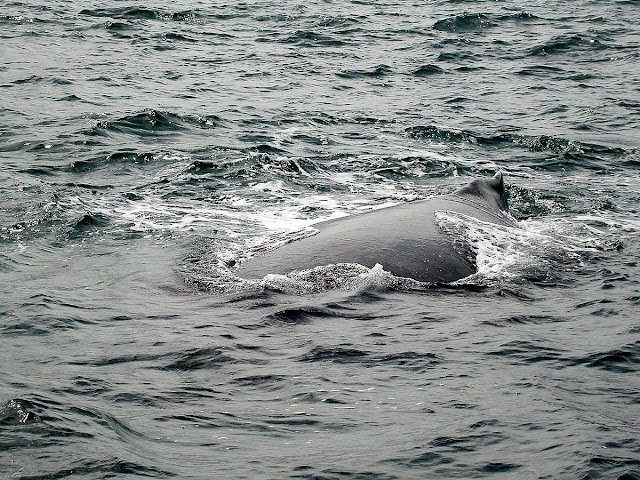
404, 239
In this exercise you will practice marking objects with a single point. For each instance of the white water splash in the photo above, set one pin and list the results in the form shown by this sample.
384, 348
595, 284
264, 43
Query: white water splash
531, 248
342, 276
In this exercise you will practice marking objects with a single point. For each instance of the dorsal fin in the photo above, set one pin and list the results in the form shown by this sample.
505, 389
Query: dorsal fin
488, 188
497, 182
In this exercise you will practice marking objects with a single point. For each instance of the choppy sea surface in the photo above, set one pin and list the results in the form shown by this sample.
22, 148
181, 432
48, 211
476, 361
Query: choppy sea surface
148, 146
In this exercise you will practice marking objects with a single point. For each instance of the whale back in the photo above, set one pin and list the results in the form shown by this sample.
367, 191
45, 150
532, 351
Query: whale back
407, 240
489, 189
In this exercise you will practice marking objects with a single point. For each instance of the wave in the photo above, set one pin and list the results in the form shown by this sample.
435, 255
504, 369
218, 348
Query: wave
310, 38
335, 354
17, 411
376, 72
199, 358
427, 70
407, 360
565, 43
340, 21
118, 26
70, 98
59, 216
520, 17
31, 79
21, 19
458, 55
522, 351
141, 13
534, 143
43, 422
89, 223
109, 468
153, 122
297, 316
619, 360
524, 320
266, 160
192, 359
261, 382
132, 157
43, 216
176, 37
540, 70
118, 158
466, 22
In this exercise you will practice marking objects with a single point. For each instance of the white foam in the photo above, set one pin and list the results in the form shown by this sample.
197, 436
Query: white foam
343, 276
539, 248
153, 213
274, 186
628, 225
287, 133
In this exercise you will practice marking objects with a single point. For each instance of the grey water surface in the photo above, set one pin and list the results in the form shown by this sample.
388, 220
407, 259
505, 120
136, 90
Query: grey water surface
148, 147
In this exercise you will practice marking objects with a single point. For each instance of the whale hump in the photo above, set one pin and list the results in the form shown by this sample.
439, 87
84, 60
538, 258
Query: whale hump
491, 189
408, 240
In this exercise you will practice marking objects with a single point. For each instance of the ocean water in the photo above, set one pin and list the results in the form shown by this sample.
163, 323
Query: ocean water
146, 147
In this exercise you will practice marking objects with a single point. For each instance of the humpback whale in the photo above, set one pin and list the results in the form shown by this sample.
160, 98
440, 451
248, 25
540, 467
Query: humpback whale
405, 239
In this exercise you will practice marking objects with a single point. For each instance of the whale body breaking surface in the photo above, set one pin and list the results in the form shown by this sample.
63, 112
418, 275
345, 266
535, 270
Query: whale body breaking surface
405, 239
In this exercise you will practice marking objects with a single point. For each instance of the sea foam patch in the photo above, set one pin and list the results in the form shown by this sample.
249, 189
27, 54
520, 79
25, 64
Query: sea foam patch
530, 250
342, 276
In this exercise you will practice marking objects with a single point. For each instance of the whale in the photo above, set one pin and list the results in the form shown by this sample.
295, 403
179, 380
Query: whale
406, 240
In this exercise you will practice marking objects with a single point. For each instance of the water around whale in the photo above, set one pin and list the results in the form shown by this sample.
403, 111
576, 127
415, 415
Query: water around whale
147, 147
